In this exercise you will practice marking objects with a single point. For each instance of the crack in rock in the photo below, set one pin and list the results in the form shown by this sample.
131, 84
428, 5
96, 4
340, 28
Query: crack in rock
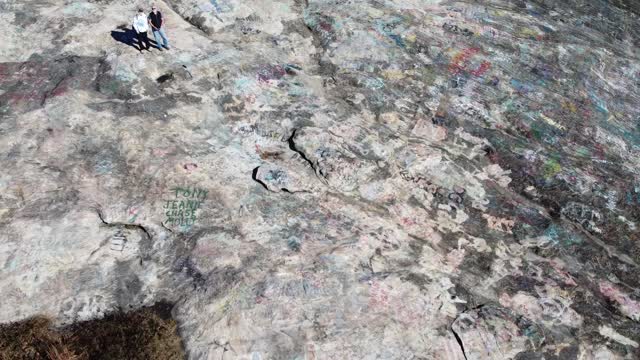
292, 147
459, 340
138, 227
254, 176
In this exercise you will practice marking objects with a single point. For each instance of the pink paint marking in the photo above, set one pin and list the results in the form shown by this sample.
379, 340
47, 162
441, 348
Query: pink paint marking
378, 296
628, 306
408, 222
160, 152
133, 212
190, 167
566, 277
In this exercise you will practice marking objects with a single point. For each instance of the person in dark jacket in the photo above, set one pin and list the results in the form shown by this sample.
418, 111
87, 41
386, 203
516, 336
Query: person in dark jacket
156, 22
141, 27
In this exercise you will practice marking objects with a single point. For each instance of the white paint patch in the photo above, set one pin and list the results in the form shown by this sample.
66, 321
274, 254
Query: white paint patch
613, 335
630, 224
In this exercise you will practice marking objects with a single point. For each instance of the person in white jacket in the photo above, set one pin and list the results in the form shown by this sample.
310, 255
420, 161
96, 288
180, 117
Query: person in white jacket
141, 26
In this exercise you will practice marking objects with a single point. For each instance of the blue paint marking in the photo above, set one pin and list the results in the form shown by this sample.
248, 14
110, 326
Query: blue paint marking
388, 29
520, 86
374, 83
104, 166
216, 6
398, 40
560, 236
600, 104
631, 194
221, 8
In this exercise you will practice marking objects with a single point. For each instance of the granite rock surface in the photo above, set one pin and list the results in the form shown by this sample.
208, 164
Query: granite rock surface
415, 179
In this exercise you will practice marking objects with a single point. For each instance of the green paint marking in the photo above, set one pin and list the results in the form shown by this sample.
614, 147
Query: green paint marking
551, 168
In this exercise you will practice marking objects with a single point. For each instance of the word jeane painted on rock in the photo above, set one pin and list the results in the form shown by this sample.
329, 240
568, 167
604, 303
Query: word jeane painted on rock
181, 210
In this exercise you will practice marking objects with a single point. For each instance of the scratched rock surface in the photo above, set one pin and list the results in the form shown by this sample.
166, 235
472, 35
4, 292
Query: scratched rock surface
415, 179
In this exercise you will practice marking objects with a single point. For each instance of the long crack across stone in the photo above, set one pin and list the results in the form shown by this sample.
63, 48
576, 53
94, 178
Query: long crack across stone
137, 227
459, 341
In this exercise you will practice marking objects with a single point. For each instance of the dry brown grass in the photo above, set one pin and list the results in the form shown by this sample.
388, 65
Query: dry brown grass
148, 333
55, 353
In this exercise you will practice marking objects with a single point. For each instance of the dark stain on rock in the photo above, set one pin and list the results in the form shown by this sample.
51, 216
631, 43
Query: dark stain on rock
112, 87
28, 85
165, 78
199, 23
155, 107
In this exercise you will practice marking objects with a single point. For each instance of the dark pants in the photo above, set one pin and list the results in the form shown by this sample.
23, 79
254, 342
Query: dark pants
142, 37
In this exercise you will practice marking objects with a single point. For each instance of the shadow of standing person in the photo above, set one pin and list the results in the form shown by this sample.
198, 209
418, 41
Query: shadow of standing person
127, 36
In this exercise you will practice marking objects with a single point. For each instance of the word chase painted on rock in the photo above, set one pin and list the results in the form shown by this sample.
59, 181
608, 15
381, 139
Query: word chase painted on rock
181, 209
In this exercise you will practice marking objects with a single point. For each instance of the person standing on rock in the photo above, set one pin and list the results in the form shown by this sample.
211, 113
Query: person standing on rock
156, 22
141, 27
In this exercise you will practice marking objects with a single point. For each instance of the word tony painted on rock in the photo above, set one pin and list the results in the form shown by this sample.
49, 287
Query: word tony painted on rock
181, 210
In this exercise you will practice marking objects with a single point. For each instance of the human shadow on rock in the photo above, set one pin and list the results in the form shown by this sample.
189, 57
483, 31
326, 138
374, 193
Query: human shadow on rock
127, 35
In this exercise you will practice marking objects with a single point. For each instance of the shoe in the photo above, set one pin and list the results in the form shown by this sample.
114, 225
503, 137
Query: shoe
160, 48
166, 47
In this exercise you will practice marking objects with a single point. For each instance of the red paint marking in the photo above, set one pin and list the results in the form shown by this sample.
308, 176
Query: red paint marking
325, 26
525, 219
408, 222
459, 63
20, 97
481, 69
459, 59
599, 151
271, 72
61, 89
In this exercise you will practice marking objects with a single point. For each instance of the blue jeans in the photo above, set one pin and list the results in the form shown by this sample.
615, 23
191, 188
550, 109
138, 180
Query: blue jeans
159, 34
